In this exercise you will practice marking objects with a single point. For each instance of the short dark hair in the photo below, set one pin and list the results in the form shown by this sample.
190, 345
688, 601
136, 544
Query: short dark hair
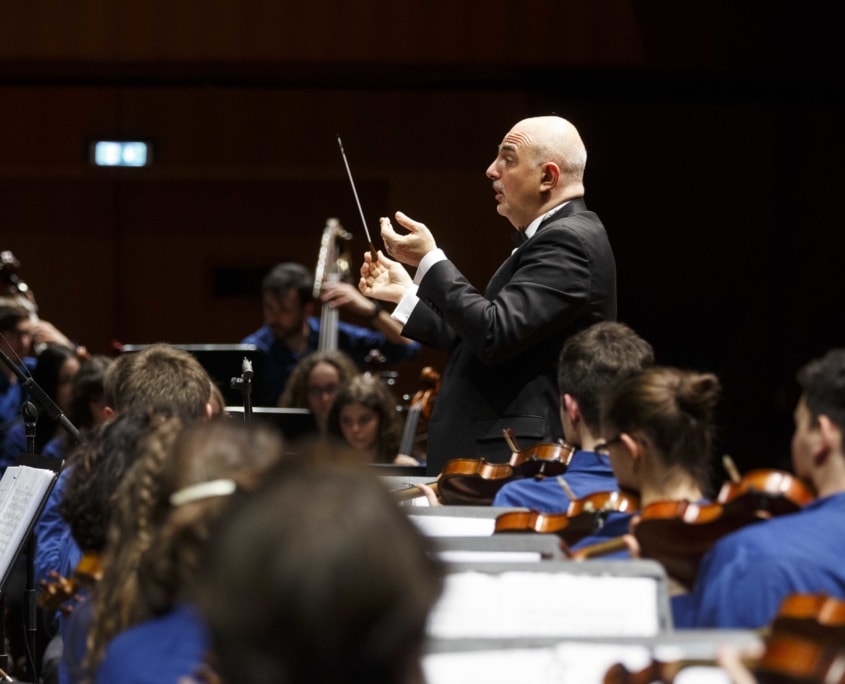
595, 359
11, 313
289, 276
822, 382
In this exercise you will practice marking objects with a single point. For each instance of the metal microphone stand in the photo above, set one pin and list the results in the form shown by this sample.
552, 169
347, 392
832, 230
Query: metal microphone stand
244, 382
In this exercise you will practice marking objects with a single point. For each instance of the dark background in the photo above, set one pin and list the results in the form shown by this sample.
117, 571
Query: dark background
714, 132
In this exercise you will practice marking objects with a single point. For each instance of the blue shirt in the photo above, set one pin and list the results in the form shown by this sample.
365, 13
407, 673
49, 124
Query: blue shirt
746, 575
280, 361
615, 525
160, 650
55, 548
588, 473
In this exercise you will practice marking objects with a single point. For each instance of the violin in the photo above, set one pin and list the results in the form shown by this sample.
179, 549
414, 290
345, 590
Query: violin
541, 460
806, 643
582, 517
55, 595
475, 481
679, 533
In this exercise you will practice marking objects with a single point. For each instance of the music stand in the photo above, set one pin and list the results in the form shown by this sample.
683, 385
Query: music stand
222, 362
24, 490
295, 424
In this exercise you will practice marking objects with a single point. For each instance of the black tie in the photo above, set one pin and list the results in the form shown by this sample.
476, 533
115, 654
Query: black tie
518, 237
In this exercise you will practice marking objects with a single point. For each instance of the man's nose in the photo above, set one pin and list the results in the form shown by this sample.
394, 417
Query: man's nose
491, 172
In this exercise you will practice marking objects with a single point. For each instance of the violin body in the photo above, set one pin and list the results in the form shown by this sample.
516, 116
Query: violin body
582, 518
806, 645
56, 594
472, 481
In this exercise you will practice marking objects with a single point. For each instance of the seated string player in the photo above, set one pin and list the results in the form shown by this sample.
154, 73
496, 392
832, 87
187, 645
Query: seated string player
590, 363
365, 416
658, 428
291, 331
747, 574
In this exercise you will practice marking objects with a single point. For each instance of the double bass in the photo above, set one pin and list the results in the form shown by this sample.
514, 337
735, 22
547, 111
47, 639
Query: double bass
333, 266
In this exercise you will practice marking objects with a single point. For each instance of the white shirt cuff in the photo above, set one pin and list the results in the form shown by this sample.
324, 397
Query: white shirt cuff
406, 305
427, 262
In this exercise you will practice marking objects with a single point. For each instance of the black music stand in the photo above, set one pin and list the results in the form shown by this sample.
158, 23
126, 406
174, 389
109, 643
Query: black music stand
24, 490
223, 362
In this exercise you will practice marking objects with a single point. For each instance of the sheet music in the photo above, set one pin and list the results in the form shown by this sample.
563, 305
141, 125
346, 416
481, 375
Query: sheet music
524, 604
453, 526
22, 491
575, 662
468, 556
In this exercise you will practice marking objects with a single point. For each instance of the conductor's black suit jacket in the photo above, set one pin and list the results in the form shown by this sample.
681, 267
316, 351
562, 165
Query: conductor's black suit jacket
503, 344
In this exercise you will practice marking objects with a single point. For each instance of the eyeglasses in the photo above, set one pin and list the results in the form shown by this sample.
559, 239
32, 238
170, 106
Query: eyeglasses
604, 447
320, 390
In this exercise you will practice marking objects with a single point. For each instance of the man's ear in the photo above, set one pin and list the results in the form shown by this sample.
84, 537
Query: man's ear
109, 412
550, 176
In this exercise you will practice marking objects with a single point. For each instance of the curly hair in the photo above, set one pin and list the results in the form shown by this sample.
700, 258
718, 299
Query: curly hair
152, 545
296, 390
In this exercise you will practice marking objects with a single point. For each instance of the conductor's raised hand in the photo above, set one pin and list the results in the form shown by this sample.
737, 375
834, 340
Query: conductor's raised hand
384, 279
410, 248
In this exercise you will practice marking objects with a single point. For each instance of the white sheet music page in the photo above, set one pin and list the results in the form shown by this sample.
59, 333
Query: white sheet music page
453, 525
22, 490
524, 604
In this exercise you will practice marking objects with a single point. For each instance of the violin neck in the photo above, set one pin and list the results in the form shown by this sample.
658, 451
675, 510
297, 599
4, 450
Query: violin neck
599, 549
409, 493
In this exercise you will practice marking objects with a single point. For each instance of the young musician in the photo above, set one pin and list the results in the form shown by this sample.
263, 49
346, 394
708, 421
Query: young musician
658, 429
364, 415
746, 575
590, 364
318, 578
291, 331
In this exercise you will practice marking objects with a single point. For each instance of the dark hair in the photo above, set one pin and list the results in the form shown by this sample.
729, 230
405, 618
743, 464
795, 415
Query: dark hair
675, 409
152, 549
822, 382
296, 390
289, 276
594, 360
96, 468
336, 589
373, 393
46, 375
88, 388
11, 313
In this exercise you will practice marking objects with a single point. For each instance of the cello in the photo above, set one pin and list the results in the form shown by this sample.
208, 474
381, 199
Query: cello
420, 407
333, 265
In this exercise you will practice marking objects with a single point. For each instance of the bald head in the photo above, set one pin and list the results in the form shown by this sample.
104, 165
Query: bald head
554, 139
540, 164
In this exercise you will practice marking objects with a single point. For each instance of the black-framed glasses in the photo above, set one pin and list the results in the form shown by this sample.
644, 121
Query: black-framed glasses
604, 447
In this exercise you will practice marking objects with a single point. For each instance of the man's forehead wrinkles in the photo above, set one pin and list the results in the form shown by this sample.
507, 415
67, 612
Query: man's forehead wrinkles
515, 140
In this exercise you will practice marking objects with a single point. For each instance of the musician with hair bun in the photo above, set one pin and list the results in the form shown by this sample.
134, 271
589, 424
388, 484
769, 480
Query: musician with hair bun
291, 331
745, 576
